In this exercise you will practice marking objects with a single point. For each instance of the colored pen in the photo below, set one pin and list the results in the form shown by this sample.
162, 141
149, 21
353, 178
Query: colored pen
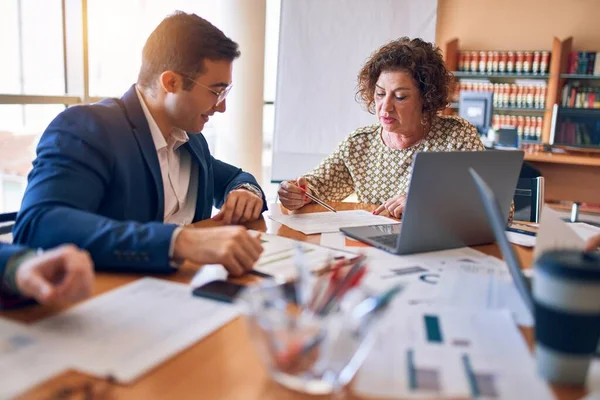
375, 304
340, 288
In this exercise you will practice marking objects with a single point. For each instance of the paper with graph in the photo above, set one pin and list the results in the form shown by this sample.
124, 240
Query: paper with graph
448, 353
484, 284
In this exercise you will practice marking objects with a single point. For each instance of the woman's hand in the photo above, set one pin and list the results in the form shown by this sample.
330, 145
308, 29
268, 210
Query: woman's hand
291, 195
394, 206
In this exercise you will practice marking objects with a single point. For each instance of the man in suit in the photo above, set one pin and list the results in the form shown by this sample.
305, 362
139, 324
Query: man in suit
61, 275
119, 178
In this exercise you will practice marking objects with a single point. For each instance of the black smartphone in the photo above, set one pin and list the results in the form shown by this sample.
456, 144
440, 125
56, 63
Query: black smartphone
218, 290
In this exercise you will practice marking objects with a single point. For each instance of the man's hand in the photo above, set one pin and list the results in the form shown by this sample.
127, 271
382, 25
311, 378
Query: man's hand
394, 206
231, 246
593, 243
61, 275
291, 195
240, 206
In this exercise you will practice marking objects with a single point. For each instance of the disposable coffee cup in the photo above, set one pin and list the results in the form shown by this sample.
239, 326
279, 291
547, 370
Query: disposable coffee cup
566, 293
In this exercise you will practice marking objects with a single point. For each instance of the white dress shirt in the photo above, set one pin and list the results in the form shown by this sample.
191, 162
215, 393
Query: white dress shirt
179, 173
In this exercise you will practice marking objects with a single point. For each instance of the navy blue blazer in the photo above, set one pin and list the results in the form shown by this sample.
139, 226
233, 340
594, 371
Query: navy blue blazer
96, 183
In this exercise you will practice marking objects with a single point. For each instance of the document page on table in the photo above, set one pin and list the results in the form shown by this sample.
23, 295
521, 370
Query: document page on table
277, 258
25, 359
449, 353
329, 221
129, 330
485, 285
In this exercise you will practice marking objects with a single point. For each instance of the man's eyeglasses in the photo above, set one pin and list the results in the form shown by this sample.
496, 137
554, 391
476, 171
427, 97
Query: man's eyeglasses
221, 94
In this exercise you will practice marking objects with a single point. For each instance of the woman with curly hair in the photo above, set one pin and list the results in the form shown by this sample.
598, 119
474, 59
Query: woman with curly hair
405, 84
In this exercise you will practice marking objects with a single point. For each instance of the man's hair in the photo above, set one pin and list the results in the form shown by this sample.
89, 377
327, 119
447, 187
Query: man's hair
181, 43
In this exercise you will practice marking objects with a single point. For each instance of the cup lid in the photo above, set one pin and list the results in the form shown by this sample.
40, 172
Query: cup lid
570, 264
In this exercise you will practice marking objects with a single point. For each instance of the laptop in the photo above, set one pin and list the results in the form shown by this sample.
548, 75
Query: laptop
498, 224
443, 210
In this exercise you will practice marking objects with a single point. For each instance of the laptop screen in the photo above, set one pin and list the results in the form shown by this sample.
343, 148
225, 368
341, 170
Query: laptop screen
498, 224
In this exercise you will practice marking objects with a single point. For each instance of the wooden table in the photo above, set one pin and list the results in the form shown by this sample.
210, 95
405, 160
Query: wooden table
224, 365
568, 177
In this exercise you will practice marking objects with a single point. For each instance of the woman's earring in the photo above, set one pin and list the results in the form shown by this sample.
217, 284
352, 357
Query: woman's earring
423, 121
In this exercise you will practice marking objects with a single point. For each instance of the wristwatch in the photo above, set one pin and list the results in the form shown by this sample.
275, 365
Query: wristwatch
251, 188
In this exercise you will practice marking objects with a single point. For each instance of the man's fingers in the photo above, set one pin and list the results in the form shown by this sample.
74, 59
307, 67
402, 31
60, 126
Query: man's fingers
75, 286
233, 266
229, 206
248, 210
252, 247
245, 259
256, 211
37, 287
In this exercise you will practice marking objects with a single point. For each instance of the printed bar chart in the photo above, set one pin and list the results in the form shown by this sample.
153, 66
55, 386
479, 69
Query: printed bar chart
481, 384
433, 329
427, 379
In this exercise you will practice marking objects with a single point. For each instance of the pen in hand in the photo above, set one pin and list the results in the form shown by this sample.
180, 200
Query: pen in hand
317, 200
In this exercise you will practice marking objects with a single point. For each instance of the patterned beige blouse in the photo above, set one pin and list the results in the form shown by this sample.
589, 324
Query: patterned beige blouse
362, 163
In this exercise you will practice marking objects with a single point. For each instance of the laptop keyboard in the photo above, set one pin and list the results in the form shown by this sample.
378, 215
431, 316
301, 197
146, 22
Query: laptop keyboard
386, 240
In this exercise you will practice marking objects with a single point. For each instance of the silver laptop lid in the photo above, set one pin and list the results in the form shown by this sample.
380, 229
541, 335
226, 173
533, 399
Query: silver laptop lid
443, 210
498, 224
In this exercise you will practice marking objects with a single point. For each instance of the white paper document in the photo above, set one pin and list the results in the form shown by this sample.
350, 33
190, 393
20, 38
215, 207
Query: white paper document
277, 258
129, 330
448, 353
209, 273
521, 239
593, 378
555, 234
26, 359
329, 221
483, 285
585, 231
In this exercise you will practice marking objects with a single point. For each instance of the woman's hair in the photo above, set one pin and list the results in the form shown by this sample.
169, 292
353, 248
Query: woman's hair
422, 60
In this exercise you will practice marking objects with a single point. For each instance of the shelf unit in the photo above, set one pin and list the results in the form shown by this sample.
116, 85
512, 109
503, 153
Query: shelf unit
556, 78
479, 75
520, 109
585, 112
580, 77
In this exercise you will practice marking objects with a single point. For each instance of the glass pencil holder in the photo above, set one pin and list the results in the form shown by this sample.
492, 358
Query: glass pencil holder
304, 350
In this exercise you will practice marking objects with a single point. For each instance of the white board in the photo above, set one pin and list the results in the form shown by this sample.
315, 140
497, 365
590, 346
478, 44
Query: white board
322, 46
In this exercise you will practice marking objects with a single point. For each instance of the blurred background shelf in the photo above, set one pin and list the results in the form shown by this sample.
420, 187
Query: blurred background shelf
582, 112
464, 74
580, 76
519, 109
